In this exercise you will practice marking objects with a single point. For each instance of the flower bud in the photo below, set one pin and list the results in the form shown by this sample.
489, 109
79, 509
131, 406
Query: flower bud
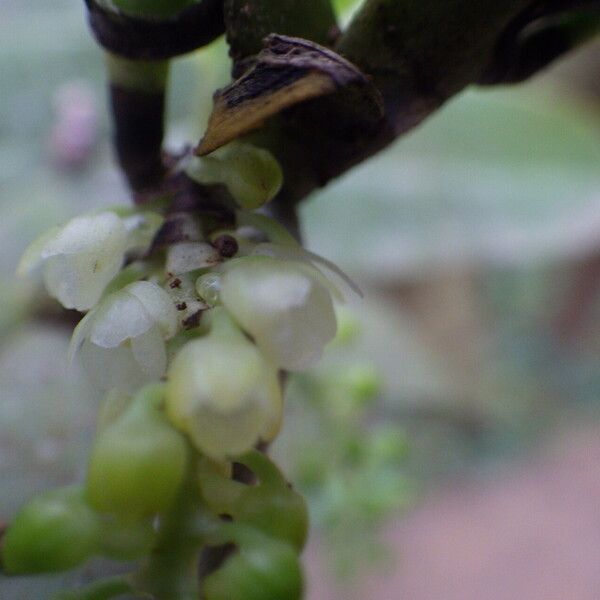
286, 309
252, 175
222, 392
270, 505
262, 569
54, 532
138, 461
121, 343
79, 258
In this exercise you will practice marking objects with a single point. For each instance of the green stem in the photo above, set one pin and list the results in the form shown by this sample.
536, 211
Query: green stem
248, 22
171, 572
426, 48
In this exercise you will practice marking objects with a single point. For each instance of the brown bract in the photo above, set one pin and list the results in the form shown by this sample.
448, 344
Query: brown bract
288, 71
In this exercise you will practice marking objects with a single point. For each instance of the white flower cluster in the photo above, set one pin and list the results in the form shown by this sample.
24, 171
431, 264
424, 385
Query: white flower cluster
219, 326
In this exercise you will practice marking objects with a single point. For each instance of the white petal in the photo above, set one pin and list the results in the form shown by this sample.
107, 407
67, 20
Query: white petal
158, 304
119, 318
190, 256
32, 257
287, 252
82, 258
150, 353
78, 280
87, 232
112, 367
289, 314
79, 334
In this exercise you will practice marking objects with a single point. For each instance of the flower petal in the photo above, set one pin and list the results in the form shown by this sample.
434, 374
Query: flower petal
150, 353
289, 314
190, 256
158, 304
119, 318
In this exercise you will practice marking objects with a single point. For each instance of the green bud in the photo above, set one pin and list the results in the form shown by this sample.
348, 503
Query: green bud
270, 506
138, 461
262, 569
54, 532
252, 175
222, 391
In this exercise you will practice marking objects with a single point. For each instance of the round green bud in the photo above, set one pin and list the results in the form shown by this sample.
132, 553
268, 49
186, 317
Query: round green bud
272, 506
265, 569
54, 532
252, 175
138, 461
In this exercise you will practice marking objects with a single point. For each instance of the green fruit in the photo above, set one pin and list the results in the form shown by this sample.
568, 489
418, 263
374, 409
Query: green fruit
262, 569
138, 462
54, 532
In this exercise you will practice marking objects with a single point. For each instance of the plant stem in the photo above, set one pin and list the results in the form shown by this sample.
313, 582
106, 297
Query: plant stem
171, 572
137, 93
248, 22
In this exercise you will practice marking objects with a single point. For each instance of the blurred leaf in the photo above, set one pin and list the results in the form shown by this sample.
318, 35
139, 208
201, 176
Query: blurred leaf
495, 178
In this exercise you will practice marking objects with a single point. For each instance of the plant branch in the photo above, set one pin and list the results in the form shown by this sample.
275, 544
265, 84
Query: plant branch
171, 572
248, 22
145, 39
418, 55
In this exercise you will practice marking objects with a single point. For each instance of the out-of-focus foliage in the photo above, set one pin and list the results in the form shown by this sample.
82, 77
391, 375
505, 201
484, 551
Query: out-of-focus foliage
347, 462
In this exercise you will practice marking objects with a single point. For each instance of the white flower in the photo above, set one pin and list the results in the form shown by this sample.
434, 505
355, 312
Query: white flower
284, 305
223, 393
121, 342
79, 258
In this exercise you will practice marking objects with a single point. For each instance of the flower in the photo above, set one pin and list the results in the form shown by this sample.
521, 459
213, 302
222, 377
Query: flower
121, 342
222, 392
283, 304
79, 258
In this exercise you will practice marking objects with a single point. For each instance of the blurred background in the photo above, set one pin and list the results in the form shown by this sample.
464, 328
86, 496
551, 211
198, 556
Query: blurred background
449, 443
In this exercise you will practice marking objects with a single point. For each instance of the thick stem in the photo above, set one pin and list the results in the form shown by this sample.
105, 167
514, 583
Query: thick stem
141, 38
248, 22
419, 54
